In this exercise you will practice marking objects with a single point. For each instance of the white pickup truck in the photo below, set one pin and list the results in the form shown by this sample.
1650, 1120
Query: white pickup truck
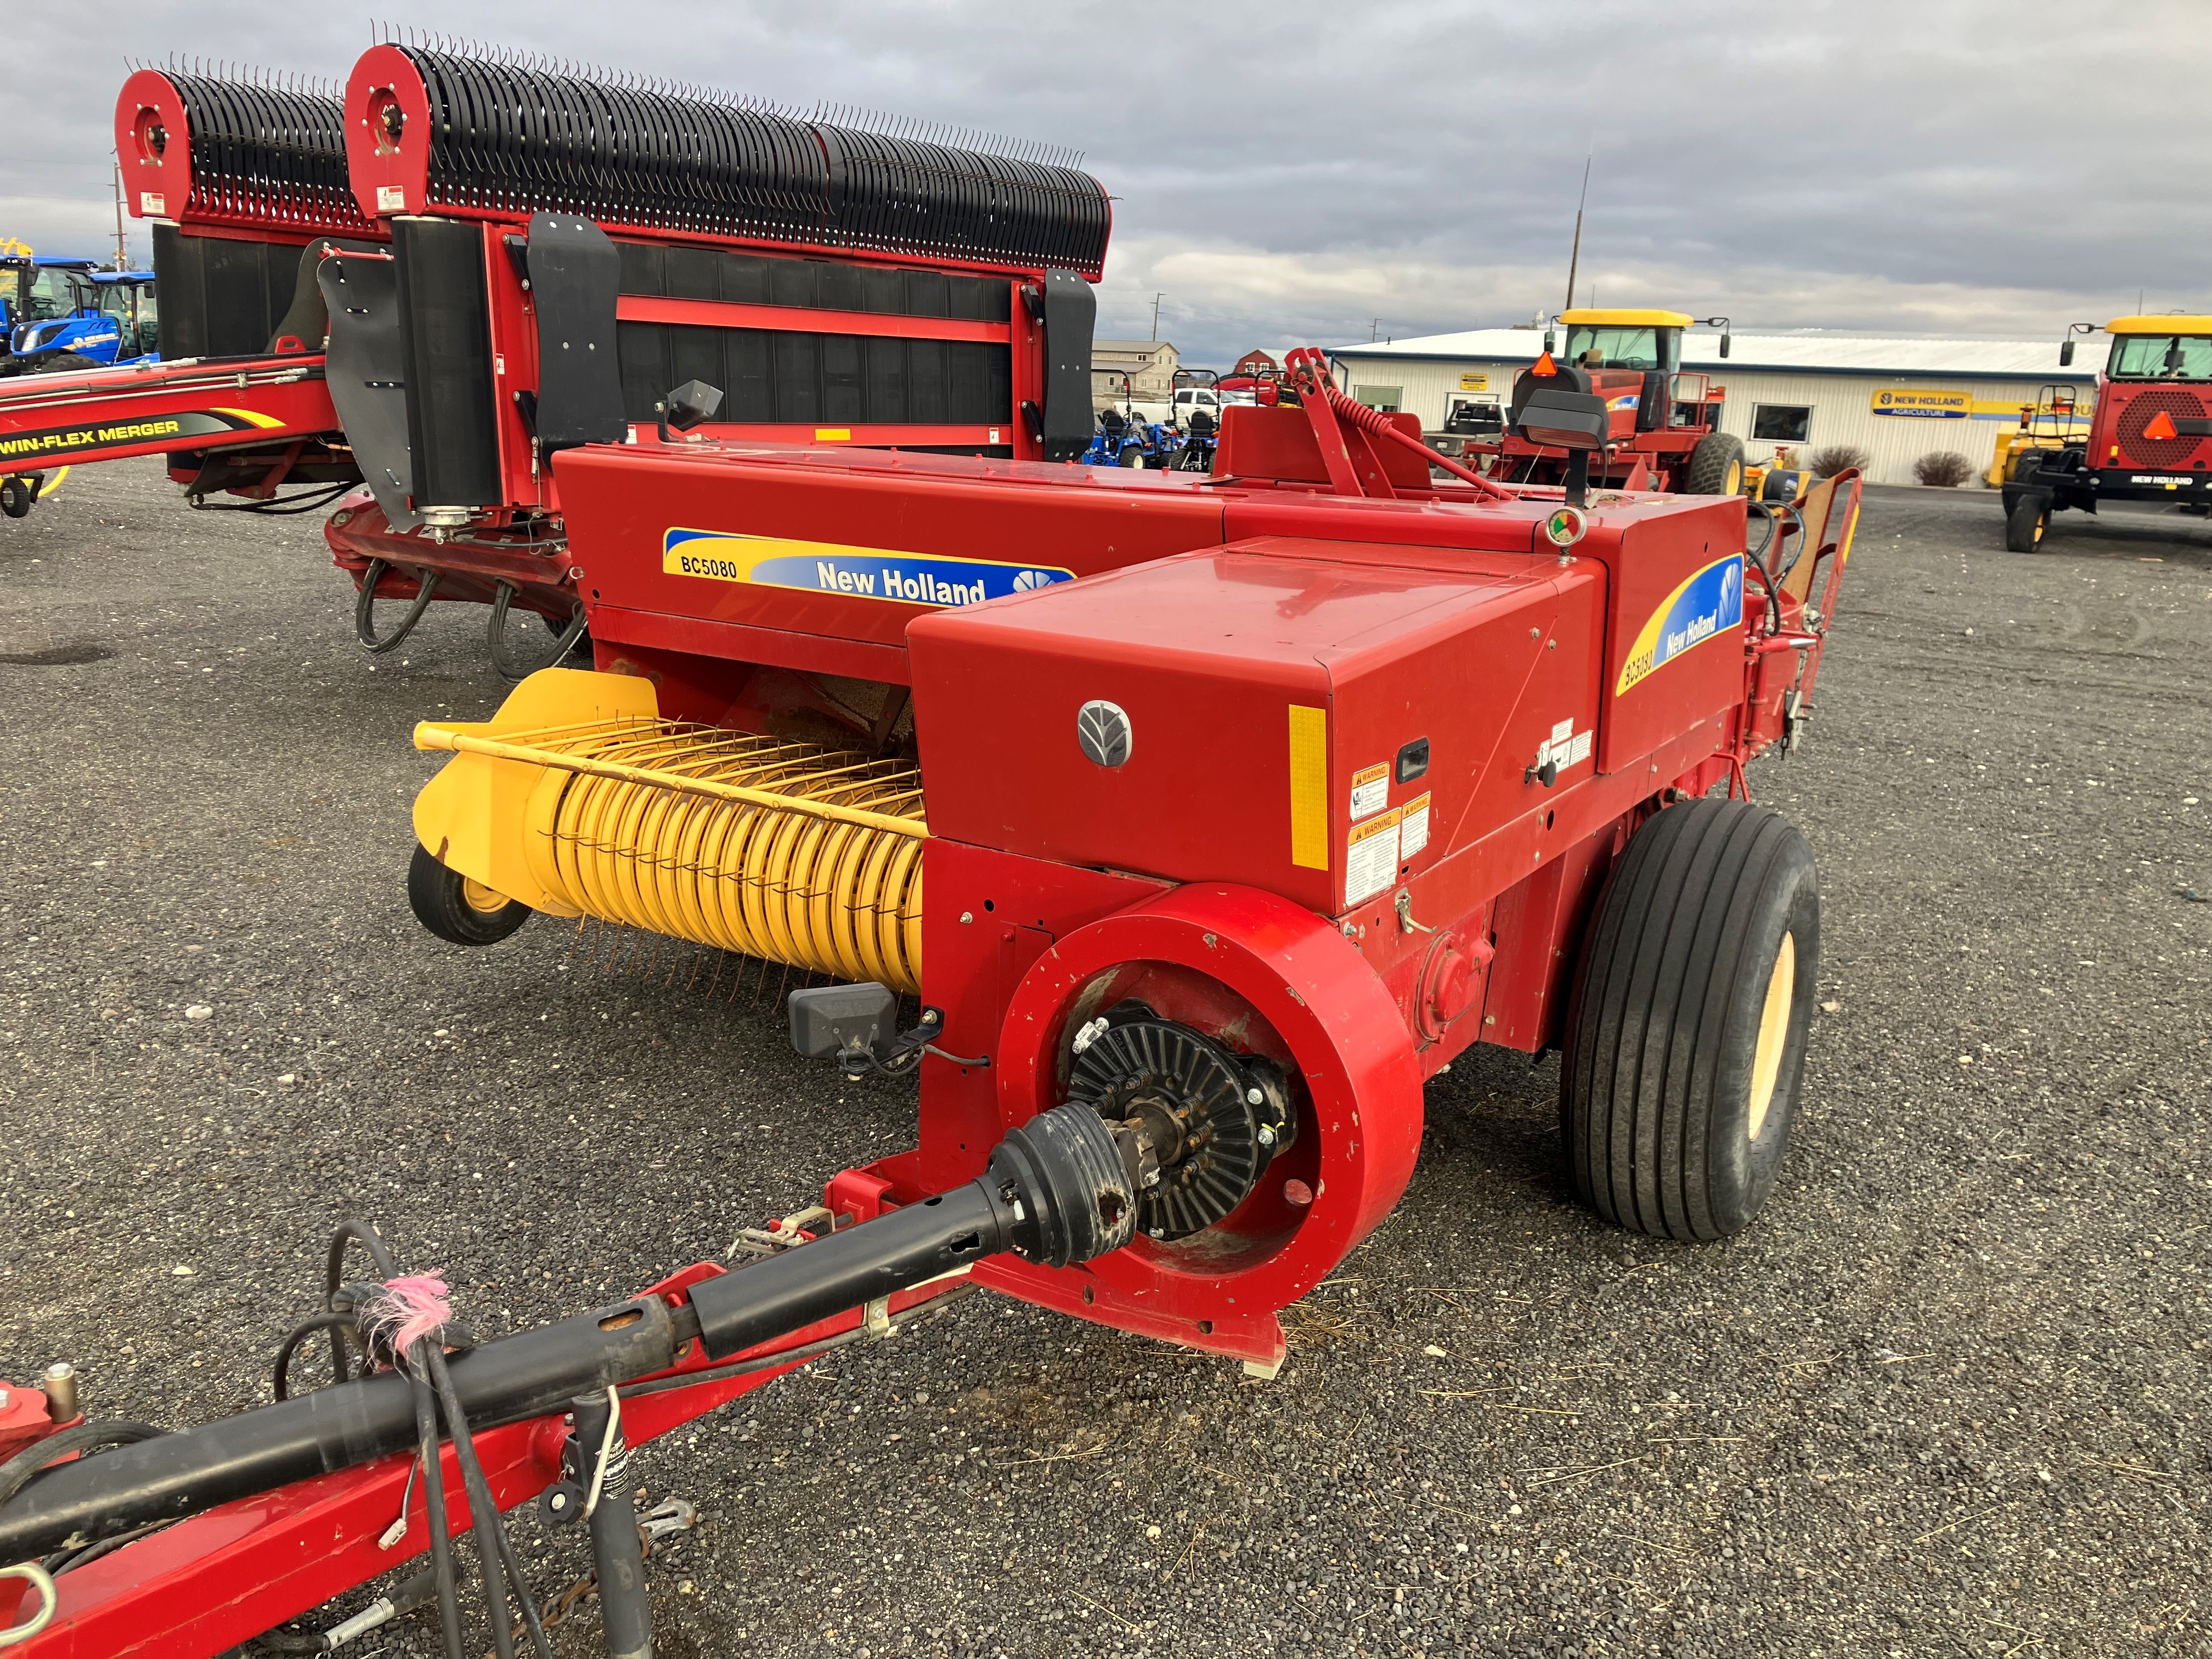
1188, 400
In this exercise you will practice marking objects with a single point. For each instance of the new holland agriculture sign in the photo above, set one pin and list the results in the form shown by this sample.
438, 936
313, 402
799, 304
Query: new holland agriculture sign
1923, 405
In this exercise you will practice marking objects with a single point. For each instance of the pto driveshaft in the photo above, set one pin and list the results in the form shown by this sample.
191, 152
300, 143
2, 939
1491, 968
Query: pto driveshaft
1057, 1191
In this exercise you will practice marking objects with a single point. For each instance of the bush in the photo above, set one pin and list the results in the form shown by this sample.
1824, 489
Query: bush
1946, 468
1838, 457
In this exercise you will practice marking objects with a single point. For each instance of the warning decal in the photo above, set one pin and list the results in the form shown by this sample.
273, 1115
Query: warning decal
1370, 791
1412, 827
1370, 858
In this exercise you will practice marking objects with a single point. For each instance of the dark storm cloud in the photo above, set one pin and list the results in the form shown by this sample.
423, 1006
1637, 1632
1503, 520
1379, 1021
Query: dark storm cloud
1298, 170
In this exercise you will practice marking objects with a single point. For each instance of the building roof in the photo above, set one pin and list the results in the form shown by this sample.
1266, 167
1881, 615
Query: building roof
1807, 351
1142, 349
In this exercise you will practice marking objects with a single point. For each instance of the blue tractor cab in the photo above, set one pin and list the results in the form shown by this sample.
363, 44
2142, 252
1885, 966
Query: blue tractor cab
66, 315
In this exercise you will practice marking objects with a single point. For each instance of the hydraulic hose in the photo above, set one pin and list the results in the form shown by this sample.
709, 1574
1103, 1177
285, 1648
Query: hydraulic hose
1057, 1190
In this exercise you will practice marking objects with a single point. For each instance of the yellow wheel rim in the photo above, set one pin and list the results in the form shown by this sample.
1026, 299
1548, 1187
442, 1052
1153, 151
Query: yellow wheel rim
2042, 522
481, 897
1773, 1035
1735, 478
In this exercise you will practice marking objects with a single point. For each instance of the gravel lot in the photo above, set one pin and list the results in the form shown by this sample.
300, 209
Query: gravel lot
1947, 1397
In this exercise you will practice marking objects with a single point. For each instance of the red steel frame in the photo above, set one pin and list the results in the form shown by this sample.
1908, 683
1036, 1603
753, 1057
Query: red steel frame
1021, 939
1357, 1002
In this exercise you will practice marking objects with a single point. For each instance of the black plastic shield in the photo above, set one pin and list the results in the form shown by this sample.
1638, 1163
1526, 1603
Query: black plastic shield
576, 273
1070, 312
368, 387
452, 423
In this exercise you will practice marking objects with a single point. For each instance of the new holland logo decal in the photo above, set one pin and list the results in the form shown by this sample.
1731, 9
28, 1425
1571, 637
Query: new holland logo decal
857, 573
1706, 607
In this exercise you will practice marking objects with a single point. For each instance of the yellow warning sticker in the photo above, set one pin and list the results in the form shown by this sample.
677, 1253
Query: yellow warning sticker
1370, 858
1370, 791
1412, 827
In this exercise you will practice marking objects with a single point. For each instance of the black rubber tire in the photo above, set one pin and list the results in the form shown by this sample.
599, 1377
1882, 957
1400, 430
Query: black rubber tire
435, 893
1717, 458
16, 497
1670, 1002
2024, 525
67, 363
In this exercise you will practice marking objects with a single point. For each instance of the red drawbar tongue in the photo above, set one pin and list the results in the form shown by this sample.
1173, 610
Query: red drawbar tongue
2161, 426
1545, 366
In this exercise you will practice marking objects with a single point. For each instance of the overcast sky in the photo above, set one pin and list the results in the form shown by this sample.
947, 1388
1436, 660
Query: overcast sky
1292, 171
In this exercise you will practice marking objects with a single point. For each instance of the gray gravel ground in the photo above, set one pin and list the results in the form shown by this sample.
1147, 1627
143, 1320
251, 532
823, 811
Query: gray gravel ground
1946, 1397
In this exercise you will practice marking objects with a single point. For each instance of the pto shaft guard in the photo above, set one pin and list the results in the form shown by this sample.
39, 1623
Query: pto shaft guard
1241, 952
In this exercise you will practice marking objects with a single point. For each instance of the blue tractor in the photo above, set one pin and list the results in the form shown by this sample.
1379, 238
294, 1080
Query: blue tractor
1131, 440
63, 314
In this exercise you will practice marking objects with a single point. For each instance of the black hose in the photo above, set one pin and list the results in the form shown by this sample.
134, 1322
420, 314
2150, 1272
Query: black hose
69, 1560
16, 1474
364, 608
280, 1383
352, 1231
495, 636
307, 500
433, 1505
494, 1553
293, 1641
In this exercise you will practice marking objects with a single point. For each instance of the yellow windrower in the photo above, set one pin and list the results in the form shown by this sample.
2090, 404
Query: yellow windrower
578, 798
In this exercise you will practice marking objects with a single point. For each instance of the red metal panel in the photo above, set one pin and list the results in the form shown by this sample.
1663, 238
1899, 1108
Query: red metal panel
809, 654
1676, 568
104, 415
1199, 648
801, 319
860, 435
1279, 443
623, 502
1406, 525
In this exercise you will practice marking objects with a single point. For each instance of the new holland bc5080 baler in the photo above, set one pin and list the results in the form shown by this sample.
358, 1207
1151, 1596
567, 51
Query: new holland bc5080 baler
1244, 803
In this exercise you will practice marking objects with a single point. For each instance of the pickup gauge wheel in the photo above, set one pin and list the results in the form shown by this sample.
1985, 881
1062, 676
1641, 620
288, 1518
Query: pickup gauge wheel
1685, 1046
457, 910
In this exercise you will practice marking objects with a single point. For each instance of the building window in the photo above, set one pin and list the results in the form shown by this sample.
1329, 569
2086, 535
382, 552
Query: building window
1388, 398
1781, 423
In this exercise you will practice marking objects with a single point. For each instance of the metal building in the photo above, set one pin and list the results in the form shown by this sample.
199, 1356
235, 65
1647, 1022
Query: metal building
1898, 399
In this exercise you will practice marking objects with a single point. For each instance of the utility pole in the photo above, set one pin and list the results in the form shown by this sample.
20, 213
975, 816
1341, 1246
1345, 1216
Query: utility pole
122, 254
1575, 259
1373, 328
1156, 315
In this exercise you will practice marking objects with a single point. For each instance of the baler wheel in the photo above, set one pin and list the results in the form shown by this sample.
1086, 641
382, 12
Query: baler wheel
1715, 465
2024, 525
455, 908
16, 497
1685, 1048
